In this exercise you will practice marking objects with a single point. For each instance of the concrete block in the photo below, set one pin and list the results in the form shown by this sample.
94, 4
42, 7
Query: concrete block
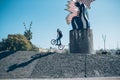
81, 41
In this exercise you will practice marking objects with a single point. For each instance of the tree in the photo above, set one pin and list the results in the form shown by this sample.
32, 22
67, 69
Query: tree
19, 42
28, 33
104, 39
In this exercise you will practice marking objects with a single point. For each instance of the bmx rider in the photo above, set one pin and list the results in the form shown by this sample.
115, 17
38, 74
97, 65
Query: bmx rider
59, 36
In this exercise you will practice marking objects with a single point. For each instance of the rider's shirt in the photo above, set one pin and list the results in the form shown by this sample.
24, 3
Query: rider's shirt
60, 33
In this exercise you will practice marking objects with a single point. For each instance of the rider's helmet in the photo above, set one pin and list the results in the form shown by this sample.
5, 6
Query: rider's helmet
58, 29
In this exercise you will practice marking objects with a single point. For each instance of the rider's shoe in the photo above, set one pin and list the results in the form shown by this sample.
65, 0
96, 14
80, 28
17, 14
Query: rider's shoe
59, 44
56, 44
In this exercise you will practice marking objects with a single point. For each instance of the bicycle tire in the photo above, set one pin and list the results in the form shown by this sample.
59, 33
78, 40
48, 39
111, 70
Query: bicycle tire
53, 41
61, 47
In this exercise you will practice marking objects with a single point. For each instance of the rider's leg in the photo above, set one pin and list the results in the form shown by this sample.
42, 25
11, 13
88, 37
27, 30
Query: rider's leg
60, 40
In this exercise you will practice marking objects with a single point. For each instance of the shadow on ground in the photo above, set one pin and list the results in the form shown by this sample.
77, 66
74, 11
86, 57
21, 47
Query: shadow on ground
6, 54
34, 57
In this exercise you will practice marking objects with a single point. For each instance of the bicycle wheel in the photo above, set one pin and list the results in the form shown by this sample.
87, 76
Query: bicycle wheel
61, 47
53, 41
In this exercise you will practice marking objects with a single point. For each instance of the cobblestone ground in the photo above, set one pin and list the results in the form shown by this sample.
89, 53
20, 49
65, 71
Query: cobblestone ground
54, 66
16, 64
73, 66
99, 78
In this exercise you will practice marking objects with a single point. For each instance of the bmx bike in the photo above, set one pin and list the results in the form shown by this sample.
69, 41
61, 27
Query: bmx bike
60, 46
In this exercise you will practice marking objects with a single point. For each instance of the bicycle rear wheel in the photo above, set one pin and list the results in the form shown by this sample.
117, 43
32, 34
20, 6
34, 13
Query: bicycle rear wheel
53, 41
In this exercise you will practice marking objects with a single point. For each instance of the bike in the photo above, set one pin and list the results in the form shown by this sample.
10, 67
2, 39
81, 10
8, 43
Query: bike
60, 46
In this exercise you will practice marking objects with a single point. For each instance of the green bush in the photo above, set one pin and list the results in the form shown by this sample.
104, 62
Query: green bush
34, 48
102, 52
118, 52
15, 42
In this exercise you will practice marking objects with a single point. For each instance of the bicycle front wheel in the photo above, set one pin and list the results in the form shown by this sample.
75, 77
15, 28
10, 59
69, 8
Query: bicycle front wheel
61, 47
53, 41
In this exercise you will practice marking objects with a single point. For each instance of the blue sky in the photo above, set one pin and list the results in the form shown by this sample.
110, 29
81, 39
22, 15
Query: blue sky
48, 15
